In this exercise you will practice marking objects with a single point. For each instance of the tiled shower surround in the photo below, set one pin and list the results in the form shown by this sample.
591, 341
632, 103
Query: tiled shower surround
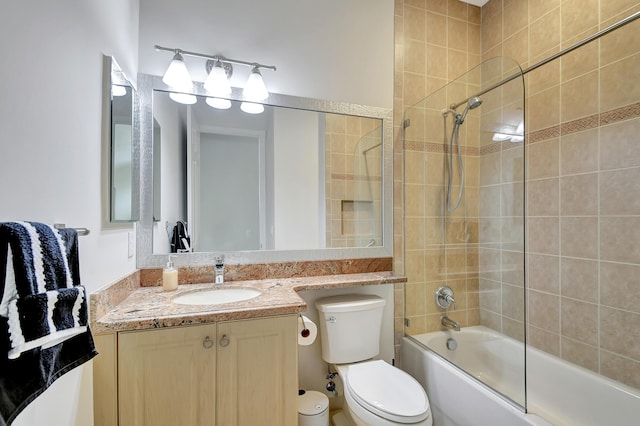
353, 177
584, 245
582, 171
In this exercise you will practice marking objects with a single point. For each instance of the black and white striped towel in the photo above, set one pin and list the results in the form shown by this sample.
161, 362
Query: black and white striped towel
42, 298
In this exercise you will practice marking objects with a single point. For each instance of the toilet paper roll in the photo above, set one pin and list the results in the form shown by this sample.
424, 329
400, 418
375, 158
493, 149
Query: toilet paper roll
306, 339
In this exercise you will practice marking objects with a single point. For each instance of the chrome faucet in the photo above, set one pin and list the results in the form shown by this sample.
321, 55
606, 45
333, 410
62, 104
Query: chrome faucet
449, 323
219, 270
444, 299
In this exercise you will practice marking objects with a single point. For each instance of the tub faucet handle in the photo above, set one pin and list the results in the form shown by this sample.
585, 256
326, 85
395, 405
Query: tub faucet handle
452, 301
444, 298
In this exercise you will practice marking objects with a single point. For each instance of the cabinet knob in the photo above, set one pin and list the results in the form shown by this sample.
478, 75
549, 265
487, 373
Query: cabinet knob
224, 341
207, 343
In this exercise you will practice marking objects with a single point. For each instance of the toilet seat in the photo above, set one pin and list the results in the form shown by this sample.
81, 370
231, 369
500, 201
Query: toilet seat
387, 391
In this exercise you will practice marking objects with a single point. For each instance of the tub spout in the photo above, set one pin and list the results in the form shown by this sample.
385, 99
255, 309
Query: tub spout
449, 323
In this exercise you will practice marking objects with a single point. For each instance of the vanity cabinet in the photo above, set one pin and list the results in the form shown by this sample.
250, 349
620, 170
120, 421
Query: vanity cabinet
257, 372
227, 373
167, 376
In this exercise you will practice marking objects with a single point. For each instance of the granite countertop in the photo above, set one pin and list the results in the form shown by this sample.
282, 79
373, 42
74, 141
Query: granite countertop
151, 307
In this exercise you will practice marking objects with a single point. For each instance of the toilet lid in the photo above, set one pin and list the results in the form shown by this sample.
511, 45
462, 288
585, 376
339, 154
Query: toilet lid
387, 391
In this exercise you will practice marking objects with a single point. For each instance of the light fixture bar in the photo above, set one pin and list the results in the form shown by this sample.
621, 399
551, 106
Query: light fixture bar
215, 57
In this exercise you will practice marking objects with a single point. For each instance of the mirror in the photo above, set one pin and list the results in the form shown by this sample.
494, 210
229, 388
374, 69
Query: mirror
303, 180
123, 167
157, 170
285, 179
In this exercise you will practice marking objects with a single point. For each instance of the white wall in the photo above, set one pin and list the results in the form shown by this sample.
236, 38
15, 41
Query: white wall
50, 146
330, 49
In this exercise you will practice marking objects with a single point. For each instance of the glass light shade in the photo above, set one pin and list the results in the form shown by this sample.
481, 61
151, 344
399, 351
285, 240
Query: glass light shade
255, 90
218, 103
252, 108
217, 83
118, 90
177, 75
183, 98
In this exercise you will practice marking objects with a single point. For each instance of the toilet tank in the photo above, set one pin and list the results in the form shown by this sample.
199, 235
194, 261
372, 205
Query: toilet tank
350, 327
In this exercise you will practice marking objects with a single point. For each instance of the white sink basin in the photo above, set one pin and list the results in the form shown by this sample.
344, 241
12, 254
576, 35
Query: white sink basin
217, 296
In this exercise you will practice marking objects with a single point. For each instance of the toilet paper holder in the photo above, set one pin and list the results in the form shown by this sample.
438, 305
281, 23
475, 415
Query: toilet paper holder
305, 331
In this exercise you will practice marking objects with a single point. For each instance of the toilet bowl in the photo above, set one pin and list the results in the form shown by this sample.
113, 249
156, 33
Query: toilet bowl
377, 393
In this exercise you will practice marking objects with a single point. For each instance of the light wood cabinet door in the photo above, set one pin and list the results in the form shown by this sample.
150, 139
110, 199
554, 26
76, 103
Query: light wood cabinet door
167, 376
257, 372
105, 380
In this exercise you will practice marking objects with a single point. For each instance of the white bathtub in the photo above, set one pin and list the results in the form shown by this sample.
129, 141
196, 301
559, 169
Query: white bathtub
558, 392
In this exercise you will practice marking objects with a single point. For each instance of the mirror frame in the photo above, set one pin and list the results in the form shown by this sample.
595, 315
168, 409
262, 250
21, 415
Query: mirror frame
144, 232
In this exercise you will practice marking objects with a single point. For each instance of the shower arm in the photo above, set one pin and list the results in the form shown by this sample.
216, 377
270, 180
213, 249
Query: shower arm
472, 103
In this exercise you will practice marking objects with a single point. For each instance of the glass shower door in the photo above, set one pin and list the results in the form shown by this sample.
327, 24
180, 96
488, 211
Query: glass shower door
464, 224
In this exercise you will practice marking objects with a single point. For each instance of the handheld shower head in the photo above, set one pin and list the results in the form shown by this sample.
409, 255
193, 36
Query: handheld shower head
472, 103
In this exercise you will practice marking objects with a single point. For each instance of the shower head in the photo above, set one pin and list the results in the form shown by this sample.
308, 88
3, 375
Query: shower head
472, 103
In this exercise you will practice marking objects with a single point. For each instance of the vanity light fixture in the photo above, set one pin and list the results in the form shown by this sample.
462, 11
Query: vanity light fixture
177, 75
218, 103
252, 108
183, 98
255, 90
217, 83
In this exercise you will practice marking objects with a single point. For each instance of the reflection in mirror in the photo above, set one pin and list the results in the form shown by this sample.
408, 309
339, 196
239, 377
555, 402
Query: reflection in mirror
157, 169
368, 189
123, 196
285, 179
304, 180
228, 182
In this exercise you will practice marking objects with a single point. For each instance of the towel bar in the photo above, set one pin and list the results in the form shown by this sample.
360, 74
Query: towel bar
80, 231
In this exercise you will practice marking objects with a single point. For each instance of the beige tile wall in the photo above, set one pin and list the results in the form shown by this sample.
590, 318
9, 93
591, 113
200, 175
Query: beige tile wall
436, 42
501, 224
353, 213
582, 211
583, 165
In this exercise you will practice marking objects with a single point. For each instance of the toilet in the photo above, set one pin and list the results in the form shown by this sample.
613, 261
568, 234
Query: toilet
375, 392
